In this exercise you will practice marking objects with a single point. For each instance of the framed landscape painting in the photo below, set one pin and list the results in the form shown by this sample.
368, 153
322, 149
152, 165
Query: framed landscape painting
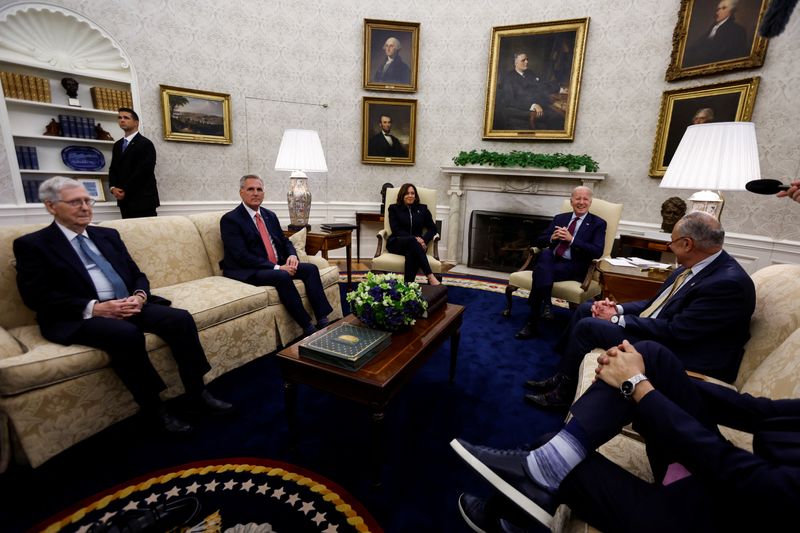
714, 36
731, 101
534, 80
388, 132
391, 55
196, 116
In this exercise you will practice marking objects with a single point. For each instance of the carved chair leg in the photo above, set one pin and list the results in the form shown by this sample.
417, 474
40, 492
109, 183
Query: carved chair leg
509, 291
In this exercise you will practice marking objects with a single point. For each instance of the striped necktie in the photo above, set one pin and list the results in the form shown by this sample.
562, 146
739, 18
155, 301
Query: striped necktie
666, 294
120, 290
262, 230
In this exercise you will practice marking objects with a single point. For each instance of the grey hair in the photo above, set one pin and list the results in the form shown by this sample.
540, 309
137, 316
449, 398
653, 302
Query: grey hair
246, 177
705, 230
582, 187
397, 44
707, 110
519, 53
50, 189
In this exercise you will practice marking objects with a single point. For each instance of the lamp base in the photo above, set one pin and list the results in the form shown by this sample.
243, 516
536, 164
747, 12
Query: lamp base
708, 202
298, 227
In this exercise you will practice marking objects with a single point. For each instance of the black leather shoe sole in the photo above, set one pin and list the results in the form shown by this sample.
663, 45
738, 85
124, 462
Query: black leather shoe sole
545, 385
546, 401
526, 333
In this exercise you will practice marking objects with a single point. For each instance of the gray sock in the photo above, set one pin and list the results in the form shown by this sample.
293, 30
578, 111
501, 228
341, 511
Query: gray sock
548, 465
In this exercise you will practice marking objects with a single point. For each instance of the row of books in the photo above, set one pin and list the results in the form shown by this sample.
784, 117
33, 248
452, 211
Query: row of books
110, 99
337, 226
31, 189
77, 127
25, 86
27, 158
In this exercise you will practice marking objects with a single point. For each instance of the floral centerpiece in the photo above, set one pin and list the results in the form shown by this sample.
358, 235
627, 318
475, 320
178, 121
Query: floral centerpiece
385, 301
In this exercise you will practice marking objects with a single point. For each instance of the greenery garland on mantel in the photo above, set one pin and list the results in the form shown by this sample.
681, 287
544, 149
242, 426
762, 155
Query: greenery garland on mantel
526, 159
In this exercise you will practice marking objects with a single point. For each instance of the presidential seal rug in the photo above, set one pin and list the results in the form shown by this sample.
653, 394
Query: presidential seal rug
242, 495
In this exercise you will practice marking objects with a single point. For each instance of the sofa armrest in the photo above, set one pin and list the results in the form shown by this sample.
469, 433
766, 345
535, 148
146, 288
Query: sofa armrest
709, 379
383, 235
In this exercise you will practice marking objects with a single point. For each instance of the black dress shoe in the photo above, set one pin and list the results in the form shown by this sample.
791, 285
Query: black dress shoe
507, 471
547, 312
546, 385
557, 398
309, 330
171, 424
205, 404
528, 332
489, 516
323, 322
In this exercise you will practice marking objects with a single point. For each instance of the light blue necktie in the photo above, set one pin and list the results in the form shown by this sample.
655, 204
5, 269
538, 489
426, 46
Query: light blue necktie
120, 290
124, 144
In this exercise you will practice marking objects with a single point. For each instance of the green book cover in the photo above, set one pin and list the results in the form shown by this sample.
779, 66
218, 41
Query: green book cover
347, 343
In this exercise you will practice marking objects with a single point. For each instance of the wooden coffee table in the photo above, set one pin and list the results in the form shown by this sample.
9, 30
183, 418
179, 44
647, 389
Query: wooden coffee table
380, 379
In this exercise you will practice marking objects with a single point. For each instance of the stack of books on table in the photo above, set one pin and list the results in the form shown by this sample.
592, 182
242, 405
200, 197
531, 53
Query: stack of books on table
345, 345
436, 296
332, 226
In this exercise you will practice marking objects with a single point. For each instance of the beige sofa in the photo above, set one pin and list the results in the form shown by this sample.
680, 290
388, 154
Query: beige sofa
53, 396
770, 368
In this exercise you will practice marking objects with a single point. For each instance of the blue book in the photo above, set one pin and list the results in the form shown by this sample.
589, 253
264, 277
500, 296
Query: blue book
34, 157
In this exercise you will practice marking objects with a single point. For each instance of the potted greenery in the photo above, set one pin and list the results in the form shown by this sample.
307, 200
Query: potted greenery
516, 158
385, 301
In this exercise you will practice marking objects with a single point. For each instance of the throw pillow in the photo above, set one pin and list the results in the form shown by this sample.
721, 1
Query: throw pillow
299, 242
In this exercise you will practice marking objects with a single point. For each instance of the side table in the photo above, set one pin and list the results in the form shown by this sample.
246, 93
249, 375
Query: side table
319, 240
629, 284
364, 217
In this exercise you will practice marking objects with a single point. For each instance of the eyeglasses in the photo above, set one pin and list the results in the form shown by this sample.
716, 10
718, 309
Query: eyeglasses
670, 243
78, 203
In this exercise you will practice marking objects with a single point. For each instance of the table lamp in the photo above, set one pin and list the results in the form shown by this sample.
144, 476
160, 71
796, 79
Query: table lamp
721, 156
300, 152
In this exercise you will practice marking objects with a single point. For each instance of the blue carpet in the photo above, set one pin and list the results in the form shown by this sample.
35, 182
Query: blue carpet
422, 477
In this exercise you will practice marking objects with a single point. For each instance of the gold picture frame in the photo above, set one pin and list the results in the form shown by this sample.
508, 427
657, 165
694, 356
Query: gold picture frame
400, 40
553, 53
397, 146
730, 101
93, 186
735, 45
196, 116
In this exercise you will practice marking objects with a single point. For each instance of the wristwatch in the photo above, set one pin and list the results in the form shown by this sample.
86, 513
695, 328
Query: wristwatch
615, 319
629, 385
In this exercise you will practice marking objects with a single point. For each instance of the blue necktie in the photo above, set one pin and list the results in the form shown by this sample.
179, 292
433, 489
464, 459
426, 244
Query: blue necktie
120, 290
124, 144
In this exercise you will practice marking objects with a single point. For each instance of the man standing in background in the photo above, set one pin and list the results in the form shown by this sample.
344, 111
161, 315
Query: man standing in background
131, 176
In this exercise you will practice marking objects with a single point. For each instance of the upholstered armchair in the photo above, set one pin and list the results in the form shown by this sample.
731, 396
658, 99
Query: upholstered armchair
574, 292
384, 261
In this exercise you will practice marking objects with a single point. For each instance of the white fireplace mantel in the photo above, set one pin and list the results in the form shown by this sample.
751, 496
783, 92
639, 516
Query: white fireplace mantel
515, 181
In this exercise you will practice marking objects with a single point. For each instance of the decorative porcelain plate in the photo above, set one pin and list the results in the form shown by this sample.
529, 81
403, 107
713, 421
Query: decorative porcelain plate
83, 158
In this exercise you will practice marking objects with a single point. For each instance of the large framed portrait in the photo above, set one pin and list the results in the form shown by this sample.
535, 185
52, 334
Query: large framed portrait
534, 80
196, 116
388, 133
391, 55
714, 36
731, 101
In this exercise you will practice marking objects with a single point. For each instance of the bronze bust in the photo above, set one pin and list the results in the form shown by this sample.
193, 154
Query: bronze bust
671, 212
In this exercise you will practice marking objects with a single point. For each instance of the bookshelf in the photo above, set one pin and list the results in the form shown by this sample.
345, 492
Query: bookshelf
32, 95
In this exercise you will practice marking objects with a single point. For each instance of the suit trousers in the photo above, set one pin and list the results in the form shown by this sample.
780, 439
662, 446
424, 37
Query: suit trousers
611, 498
584, 334
550, 268
308, 273
129, 213
416, 256
124, 341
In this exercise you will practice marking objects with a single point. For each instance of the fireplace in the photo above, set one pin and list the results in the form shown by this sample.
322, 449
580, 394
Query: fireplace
498, 241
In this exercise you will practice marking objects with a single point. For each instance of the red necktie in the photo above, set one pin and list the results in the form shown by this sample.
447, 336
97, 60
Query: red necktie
262, 230
563, 246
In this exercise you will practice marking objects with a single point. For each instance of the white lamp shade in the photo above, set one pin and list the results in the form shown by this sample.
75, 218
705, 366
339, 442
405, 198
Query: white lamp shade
301, 150
720, 156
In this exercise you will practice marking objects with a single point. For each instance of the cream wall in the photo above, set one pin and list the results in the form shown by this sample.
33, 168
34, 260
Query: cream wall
281, 61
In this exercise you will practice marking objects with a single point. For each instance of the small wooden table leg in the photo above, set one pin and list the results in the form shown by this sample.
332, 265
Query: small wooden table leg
358, 239
455, 338
376, 454
349, 266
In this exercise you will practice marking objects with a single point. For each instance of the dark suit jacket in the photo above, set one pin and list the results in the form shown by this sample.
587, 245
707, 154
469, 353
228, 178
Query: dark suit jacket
587, 243
397, 72
133, 171
244, 250
729, 42
378, 146
708, 315
515, 96
411, 221
54, 282
759, 489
